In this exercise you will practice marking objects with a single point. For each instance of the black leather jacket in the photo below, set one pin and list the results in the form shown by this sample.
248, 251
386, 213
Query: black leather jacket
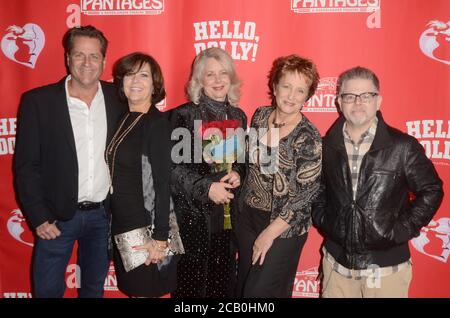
398, 193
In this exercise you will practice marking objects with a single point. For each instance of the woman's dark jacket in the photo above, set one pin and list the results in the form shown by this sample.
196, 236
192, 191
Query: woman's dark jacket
190, 182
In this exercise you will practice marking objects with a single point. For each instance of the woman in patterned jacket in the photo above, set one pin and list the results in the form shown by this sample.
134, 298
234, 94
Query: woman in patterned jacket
282, 180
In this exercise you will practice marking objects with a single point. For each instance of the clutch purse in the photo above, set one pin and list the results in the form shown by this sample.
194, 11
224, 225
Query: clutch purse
132, 258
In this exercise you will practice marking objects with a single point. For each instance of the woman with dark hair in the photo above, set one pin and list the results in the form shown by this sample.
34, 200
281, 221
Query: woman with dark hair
144, 226
282, 180
200, 190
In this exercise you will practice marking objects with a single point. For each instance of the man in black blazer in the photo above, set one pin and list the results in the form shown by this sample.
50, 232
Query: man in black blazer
61, 177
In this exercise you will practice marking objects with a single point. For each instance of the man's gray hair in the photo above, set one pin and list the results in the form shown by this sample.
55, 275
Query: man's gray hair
357, 72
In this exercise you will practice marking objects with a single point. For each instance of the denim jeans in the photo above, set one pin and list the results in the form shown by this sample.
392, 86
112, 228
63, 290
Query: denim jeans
51, 257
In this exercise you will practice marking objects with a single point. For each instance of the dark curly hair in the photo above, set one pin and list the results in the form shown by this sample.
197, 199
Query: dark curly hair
134, 61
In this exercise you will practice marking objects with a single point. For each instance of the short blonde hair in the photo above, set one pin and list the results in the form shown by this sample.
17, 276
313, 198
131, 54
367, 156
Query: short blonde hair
194, 86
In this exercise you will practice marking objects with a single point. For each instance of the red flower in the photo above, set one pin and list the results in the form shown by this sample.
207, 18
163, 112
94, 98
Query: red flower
222, 125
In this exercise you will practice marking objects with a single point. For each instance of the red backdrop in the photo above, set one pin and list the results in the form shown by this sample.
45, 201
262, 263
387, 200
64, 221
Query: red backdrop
406, 42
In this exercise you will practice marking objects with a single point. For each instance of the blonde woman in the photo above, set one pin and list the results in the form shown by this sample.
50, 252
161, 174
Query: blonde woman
208, 269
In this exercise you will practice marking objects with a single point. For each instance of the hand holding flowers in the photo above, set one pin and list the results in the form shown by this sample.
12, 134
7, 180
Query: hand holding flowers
221, 148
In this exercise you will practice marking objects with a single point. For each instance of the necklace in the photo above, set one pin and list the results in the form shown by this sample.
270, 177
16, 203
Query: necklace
277, 125
114, 144
280, 125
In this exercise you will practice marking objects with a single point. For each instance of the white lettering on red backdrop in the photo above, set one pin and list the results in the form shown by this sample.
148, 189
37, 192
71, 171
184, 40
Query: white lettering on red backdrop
434, 135
7, 135
435, 41
236, 37
341, 6
122, 7
23, 44
307, 284
111, 280
73, 278
313, 6
74, 18
324, 98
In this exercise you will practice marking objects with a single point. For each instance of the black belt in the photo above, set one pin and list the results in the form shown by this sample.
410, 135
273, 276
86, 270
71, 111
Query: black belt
88, 205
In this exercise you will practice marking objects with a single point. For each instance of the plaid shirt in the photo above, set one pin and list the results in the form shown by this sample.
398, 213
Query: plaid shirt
373, 271
356, 151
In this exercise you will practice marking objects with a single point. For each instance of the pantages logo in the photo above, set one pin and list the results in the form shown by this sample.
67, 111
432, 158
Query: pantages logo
434, 135
122, 7
73, 277
435, 41
324, 98
111, 279
434, 240
238, 38
324, 6
306, 283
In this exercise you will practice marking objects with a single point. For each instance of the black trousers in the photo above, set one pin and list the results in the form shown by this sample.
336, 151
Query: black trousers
275, 278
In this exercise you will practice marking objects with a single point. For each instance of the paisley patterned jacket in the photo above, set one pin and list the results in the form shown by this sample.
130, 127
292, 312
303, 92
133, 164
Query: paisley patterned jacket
289, 190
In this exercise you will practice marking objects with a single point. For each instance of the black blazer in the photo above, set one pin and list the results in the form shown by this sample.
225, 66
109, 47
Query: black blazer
45, 161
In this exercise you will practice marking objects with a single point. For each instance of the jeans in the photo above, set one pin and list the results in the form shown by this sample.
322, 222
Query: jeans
51, 257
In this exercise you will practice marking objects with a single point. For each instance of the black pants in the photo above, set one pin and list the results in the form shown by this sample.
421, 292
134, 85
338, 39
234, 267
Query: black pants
275, 278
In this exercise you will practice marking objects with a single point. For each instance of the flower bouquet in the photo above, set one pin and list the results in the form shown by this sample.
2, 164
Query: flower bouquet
221, 148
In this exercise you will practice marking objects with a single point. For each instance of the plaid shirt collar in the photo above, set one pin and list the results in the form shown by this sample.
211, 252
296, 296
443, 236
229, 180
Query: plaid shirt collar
357, 150
367, 136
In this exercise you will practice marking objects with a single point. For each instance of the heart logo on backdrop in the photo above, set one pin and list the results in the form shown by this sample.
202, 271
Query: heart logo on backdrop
18, 229
434, 240
23, 44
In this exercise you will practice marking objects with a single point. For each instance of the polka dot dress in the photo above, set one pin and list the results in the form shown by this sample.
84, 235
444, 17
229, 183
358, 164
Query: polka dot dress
208, 269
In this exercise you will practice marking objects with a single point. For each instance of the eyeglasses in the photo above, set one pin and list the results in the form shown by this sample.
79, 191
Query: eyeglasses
350, 98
